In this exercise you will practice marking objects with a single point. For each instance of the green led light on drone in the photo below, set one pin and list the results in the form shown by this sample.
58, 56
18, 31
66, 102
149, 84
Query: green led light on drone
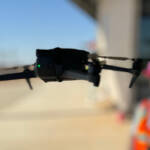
38, 65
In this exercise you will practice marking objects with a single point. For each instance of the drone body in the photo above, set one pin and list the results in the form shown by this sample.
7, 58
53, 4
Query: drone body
60, 64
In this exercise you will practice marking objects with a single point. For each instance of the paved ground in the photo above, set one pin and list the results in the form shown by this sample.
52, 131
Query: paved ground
56, 116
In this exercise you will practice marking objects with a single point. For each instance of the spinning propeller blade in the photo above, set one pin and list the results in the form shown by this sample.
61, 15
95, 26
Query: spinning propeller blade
116, 58
95, 56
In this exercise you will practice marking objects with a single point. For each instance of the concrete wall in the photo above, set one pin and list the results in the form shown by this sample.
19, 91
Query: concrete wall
117, 32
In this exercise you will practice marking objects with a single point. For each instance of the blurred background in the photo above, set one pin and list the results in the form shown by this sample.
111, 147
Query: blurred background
71, 115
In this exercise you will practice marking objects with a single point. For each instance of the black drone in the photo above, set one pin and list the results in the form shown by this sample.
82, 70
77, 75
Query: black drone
61, 64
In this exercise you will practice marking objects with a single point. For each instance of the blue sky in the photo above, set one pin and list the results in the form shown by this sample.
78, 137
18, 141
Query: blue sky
30, 24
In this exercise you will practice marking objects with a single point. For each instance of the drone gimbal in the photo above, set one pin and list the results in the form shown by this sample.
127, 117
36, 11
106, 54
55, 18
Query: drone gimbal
60, 64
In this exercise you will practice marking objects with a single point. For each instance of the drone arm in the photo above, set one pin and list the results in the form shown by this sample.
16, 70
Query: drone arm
115, 68
26, 74
15, 76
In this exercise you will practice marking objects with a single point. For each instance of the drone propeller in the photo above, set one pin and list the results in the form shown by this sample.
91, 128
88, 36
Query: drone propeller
30, 67
117, 58
95, 56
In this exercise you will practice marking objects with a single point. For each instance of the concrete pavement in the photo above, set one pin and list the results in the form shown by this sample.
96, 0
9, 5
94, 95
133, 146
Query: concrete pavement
56, 116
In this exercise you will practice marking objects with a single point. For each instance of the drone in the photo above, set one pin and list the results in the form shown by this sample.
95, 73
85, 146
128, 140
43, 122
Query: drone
64, 64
